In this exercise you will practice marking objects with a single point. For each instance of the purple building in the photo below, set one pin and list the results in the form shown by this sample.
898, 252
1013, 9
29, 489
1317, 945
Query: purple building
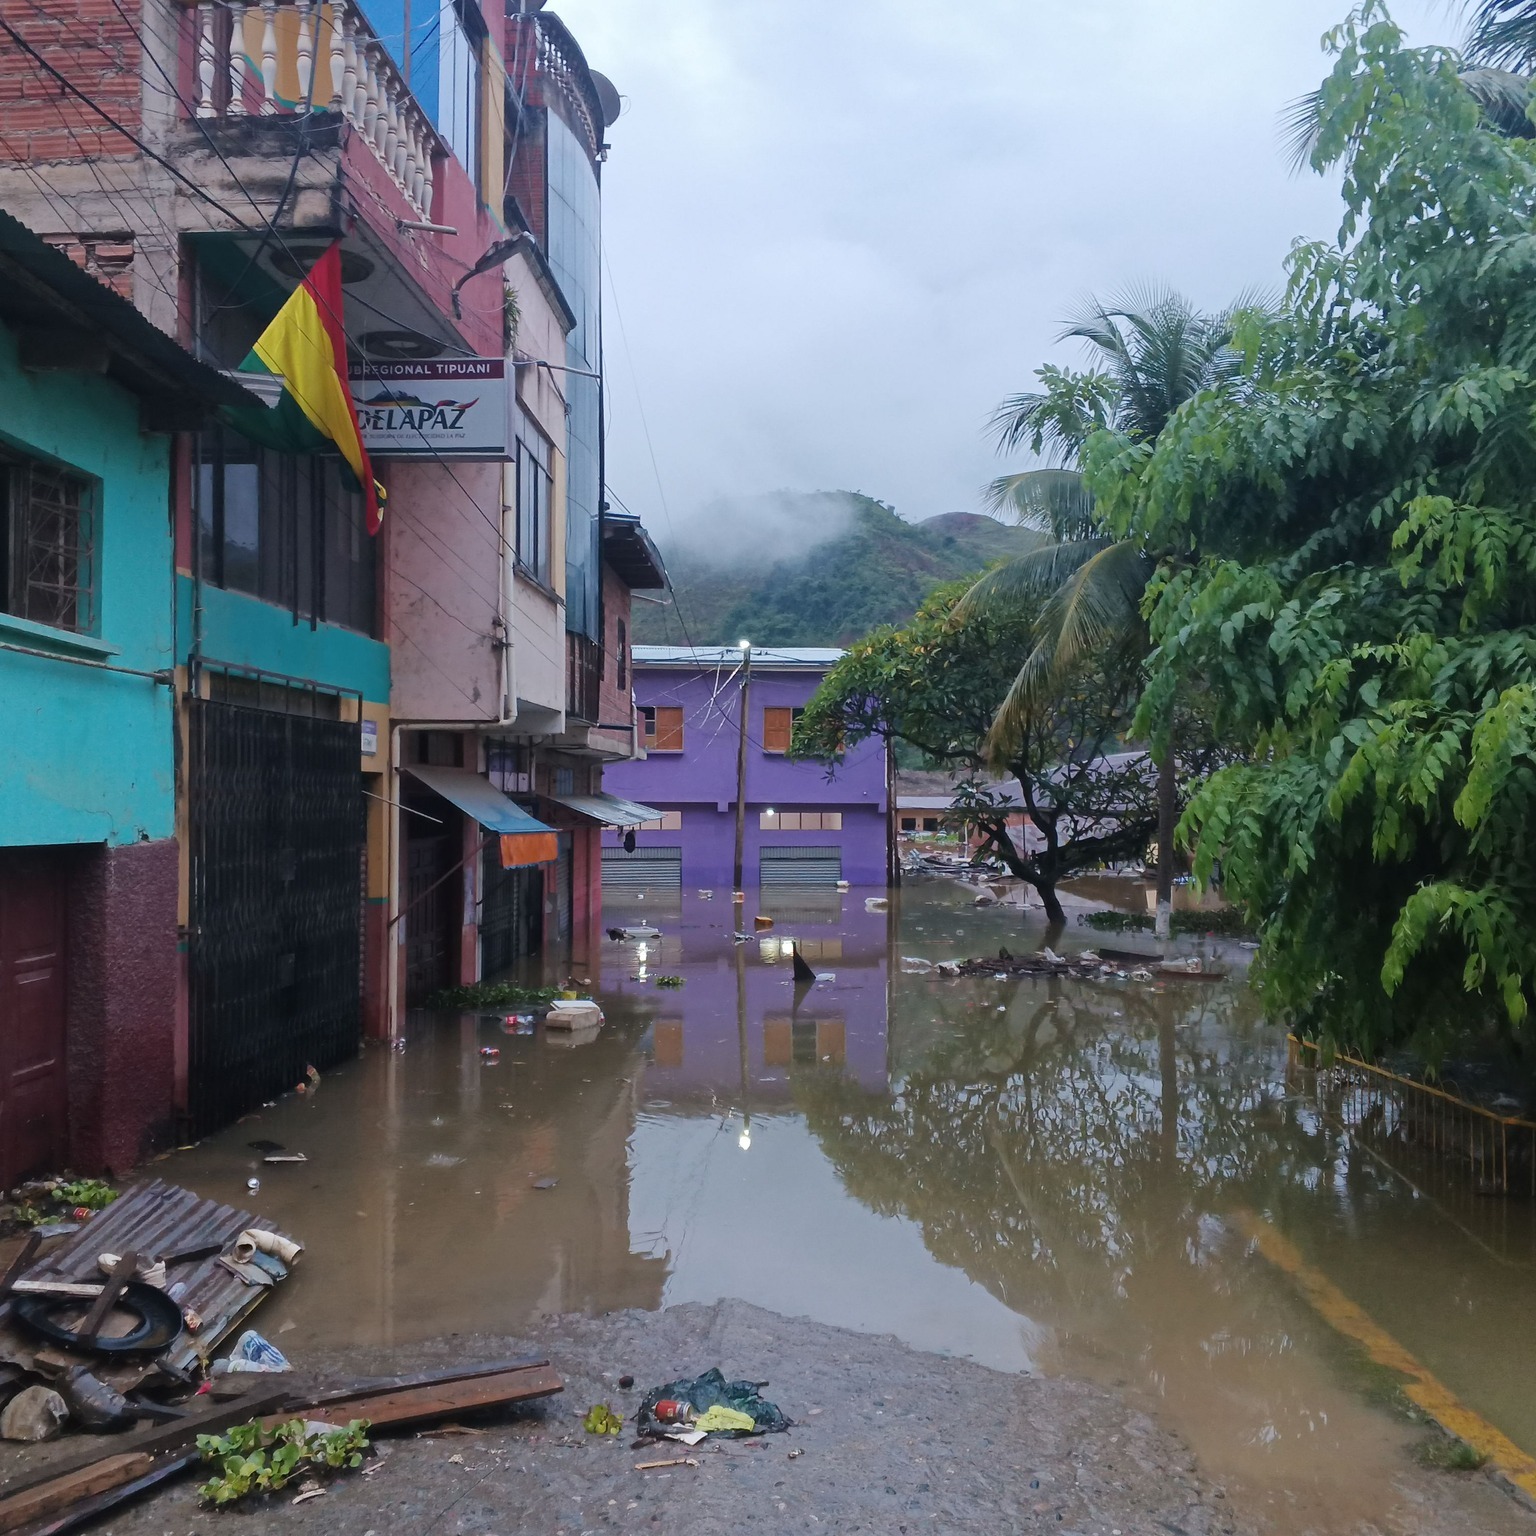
804, 826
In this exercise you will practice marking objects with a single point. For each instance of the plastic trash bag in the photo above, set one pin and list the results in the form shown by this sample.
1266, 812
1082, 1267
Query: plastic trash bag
252, 1353
708, 1391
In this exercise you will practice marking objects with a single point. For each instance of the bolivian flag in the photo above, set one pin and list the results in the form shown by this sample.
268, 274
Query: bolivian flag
306, 347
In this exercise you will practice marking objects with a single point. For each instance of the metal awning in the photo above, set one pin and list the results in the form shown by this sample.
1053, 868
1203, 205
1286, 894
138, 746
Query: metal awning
524, 838
608, 810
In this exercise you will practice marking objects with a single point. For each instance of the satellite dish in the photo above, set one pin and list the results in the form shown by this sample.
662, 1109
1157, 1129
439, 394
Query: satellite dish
608, 98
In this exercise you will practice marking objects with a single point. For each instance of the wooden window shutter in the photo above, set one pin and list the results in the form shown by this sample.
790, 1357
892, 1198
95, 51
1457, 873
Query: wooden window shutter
777, 725
669, 730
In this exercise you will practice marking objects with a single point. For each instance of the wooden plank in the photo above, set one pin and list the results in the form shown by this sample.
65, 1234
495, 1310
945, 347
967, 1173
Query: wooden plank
58, 1493
19, 1264
86, 1510
162, 1438
412, 1405
122, 1272
372, 1386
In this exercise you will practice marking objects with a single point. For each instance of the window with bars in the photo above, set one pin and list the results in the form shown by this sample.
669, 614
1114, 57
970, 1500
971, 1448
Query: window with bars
509, 767
48, 549
285, 528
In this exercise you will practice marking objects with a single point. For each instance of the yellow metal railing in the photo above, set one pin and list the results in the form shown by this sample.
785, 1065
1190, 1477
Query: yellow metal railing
1387, 1109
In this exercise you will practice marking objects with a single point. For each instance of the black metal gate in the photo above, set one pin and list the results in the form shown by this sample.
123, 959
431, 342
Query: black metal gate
277, 832
512, 913
433, 903
563, 889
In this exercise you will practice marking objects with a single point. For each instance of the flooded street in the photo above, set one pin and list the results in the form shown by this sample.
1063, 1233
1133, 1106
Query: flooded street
1038, 1174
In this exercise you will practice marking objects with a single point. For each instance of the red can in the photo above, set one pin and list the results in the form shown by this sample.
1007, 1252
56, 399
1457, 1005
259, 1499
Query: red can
670, 1411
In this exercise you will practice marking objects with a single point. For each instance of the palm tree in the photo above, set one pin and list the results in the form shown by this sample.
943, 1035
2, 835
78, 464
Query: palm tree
1503, 35
1152, 351
1499, 53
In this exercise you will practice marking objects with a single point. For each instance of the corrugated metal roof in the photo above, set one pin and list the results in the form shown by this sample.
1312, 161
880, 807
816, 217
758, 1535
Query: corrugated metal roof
808, 657
478, 798
156, 1220
609, 809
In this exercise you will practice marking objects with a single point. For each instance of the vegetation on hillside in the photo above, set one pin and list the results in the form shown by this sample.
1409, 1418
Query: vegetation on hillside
876, 570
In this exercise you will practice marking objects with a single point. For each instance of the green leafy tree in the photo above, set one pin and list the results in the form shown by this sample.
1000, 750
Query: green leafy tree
1350, 530
1152, 351
935, 684
1499, 56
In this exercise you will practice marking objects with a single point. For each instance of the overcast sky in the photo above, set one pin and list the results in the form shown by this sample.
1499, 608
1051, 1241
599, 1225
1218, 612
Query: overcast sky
840, 231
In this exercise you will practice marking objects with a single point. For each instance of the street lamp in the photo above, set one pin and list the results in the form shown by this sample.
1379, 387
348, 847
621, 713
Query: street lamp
738, 888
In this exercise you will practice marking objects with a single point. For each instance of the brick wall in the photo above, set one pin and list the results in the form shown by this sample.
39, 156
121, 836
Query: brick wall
108, 257
97, 50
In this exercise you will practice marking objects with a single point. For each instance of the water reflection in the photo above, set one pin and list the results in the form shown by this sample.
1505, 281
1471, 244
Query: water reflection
1037, 1173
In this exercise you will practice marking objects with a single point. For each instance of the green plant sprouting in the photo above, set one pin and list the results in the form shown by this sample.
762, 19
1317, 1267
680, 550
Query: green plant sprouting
253, 1460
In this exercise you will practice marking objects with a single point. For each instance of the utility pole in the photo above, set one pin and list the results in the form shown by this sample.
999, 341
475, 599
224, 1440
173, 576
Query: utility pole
738, 888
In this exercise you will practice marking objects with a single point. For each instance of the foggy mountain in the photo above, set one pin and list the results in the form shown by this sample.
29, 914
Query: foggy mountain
818, 569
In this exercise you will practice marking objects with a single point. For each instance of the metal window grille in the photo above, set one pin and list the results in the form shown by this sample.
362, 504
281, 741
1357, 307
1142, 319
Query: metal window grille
50, 546
583, 677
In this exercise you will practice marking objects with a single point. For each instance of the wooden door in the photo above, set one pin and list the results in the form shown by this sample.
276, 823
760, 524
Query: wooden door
34, 1130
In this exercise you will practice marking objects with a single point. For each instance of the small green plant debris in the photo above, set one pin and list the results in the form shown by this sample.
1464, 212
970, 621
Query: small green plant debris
602, 1420
1447, 1453
45, 1200
93, 1194
490, 994
669, 981
254, 1461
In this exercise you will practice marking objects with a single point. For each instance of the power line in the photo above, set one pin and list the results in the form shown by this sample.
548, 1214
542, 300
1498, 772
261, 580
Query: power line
645, 425
269, 230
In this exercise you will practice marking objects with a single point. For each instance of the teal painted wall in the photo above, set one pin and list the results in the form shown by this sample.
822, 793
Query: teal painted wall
87, 756
243, 631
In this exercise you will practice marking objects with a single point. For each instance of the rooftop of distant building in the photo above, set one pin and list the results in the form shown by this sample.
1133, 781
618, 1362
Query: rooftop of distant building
815, 658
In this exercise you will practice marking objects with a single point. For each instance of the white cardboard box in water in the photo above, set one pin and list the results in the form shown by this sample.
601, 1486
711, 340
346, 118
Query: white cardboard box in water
573, 1013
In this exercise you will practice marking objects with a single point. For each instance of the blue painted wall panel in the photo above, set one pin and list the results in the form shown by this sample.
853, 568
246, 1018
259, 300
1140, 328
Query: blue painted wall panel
243, 631
88, 755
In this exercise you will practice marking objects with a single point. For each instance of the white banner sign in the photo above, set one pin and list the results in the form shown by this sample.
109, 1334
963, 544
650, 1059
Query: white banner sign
449, 408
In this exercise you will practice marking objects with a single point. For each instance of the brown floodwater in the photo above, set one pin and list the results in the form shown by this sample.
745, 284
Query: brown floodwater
1037, 1174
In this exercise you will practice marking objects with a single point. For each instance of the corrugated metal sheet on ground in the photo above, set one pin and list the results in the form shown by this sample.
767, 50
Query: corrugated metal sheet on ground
155, 1220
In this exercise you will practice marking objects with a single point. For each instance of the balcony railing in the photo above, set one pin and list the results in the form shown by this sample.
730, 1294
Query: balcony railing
583, 678
261, 60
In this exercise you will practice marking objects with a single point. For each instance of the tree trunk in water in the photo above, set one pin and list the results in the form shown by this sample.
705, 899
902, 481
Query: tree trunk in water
1054, 913
1167, 818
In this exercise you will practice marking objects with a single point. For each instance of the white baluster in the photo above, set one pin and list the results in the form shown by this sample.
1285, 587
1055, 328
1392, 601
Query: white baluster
400, 158
341, 96
355, 81
236, 58
206, 61
389, 119
420, 160
424, 201
368, 87
409, 151
269, 55
307, 19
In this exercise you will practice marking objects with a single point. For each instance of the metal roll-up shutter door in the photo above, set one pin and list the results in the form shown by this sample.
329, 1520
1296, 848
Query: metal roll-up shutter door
812, 867
646, 869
